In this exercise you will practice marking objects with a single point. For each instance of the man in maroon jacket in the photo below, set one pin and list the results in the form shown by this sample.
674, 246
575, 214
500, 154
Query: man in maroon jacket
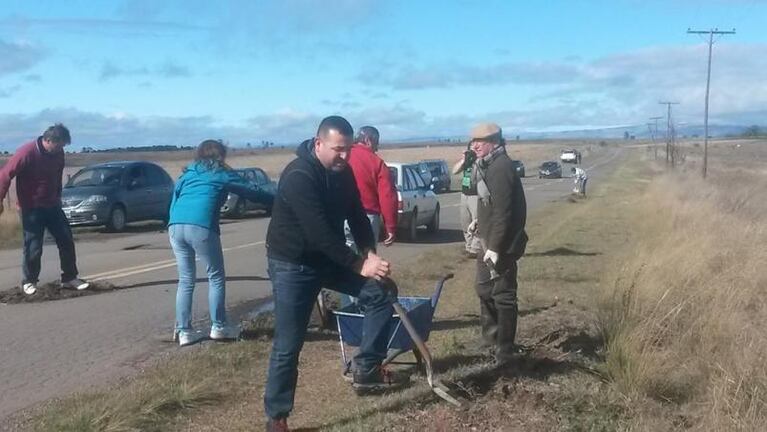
38, 166
379, 198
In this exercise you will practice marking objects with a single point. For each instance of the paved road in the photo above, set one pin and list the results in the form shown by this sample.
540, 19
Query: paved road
54, 348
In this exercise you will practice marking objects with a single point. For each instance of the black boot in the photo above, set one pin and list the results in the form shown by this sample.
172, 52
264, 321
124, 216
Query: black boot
489, 322
507, 331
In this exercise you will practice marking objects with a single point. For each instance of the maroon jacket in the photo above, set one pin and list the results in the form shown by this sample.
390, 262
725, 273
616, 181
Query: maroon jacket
38, 176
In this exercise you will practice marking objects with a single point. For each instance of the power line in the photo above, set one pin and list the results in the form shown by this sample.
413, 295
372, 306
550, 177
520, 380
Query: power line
669, 135
710, 34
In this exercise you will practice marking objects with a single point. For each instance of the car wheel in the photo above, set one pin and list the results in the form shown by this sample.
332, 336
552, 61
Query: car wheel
117, 219
239, 208
412, 229
433, 226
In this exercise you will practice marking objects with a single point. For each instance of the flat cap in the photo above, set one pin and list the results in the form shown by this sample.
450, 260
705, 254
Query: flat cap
489, 131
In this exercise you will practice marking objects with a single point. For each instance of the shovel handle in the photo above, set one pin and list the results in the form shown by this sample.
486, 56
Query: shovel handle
416, 339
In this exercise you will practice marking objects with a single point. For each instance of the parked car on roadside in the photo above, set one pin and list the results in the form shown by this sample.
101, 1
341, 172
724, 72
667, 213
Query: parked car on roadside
115, 193
437, 173
550, 169
570, 156
236, 206
417, 202
519, 168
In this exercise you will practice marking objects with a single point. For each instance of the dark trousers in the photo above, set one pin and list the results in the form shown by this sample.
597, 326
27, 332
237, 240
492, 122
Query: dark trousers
498, 306
34, 222
295, 288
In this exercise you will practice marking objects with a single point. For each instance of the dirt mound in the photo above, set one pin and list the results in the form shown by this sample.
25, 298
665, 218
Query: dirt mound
52, 291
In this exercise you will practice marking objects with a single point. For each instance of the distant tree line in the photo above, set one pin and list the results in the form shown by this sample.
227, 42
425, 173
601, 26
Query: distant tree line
155, 148
754, 132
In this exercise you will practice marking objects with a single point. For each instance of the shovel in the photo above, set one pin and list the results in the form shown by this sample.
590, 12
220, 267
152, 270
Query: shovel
436, 386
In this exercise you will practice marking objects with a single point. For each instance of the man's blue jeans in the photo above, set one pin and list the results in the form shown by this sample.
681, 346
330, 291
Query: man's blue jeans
295, 289
190, 241
34, 223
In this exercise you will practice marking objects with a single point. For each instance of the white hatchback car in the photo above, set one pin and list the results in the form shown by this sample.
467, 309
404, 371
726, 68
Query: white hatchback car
418, 204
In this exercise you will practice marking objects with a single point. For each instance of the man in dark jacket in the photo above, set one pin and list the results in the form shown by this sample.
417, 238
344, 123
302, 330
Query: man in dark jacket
502, 213
306, 250
38, 166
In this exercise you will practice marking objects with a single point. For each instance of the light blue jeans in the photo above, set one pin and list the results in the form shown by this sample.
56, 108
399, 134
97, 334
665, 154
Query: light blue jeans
188, 242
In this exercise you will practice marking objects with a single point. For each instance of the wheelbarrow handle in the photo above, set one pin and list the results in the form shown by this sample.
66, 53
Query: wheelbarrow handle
438, 290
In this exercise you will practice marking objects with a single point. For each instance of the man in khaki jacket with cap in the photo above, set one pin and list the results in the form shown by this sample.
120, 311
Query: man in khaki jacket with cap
502, 214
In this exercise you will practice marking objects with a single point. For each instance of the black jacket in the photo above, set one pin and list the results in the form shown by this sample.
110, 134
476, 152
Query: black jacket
502, 220
307, 225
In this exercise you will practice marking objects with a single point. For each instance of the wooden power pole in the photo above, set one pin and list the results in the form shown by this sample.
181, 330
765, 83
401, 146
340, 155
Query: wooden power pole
710, 34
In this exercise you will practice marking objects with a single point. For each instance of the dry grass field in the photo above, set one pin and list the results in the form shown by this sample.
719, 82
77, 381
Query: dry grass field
684, 314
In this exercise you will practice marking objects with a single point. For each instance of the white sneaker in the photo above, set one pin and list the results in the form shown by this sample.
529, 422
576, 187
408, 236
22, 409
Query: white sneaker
225, 333
29, 288
189, 337
76, 283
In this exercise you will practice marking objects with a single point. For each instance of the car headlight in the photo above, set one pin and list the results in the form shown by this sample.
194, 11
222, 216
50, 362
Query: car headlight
95, 199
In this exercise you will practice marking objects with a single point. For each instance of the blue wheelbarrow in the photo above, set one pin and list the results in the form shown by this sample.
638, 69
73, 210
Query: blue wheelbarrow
409, 329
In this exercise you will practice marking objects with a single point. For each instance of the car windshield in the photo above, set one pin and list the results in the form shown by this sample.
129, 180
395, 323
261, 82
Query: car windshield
101, 176
549, 165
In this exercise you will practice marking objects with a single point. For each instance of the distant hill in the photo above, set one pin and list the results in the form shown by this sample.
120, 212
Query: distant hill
639, 132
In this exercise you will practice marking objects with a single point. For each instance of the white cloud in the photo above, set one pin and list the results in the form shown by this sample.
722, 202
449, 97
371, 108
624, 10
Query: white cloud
624, 88
19, 56
168, 69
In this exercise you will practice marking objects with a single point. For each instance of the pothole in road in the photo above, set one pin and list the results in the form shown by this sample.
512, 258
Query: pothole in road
53, 291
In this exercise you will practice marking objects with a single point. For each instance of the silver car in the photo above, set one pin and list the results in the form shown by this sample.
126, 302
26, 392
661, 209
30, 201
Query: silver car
418, 204
115, 193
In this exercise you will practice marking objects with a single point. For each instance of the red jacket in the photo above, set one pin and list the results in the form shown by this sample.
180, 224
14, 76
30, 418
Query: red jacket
374, 183
38, 176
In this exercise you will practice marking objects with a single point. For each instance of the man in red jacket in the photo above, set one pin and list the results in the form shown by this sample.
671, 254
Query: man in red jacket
379, 198
38, 166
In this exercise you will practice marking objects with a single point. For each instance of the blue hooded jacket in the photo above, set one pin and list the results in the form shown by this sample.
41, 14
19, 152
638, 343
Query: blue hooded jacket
201, 191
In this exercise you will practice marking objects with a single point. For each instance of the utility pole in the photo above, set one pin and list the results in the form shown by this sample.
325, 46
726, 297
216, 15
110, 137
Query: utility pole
710, 34
668, 129
654, 144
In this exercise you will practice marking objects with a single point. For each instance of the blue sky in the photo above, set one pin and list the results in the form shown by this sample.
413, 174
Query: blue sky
141, 72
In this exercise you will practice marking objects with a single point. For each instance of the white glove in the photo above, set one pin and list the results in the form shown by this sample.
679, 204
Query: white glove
472, 228
491, 256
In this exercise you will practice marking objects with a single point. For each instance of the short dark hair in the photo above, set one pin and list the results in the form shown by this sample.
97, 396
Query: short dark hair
211, 152
336, 123
57, 133
368, 132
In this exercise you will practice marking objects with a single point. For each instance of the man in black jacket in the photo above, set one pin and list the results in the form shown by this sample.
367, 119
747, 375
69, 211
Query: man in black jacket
502, 213
306, 250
